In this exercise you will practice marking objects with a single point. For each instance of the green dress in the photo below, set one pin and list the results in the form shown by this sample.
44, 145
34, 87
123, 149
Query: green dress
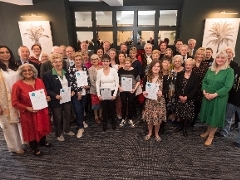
213, 111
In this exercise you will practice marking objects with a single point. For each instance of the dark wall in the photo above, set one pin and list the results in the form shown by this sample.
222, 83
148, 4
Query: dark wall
51, 10
195, 12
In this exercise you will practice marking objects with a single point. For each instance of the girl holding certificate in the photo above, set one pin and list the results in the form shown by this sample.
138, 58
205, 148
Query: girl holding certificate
107, 87
9, 118
79, 82
35, 123
155, 109
57, 84
129, 80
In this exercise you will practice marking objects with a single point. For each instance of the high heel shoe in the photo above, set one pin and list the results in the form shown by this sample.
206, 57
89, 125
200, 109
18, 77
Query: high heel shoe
209, 140
204, 135
185, 133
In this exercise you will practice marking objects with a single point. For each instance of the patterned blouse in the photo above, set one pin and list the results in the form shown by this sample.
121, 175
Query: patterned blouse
73, 80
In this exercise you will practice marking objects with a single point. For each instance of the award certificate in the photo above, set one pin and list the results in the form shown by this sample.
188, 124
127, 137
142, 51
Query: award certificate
106, 93
81, 77
38, 99
65, 93
152, 89
126, 84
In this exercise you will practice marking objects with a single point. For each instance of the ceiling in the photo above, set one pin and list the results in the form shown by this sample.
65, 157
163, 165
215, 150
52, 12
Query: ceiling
30, 2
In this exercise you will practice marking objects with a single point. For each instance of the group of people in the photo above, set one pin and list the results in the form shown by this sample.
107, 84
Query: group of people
187, 85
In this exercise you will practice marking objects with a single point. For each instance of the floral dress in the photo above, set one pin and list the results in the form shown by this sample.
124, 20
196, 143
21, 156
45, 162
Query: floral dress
185, 110
155, 110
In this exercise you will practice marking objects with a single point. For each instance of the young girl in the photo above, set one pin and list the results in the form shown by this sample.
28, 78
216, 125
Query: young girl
127, 97
155, 110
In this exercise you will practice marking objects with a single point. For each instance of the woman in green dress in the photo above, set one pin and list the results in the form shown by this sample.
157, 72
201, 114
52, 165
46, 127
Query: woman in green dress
215, 86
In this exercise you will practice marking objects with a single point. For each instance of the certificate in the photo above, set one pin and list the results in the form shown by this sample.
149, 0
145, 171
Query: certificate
126, 84
65, 93
152, 89
106, 93
38, 99
81, 77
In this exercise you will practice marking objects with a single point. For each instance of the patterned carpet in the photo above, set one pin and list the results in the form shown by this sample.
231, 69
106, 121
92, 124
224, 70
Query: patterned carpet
124, 154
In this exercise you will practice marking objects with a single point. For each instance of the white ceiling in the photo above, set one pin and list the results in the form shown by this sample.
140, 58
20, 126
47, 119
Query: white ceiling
30, 2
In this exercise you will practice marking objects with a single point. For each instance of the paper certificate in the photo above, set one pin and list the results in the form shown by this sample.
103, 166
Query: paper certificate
152, 89
126, 84
81, 77
38, 99
106, 93
65, 93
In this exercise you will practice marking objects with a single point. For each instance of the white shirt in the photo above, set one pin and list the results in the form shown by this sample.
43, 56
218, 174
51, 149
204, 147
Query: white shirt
110, 81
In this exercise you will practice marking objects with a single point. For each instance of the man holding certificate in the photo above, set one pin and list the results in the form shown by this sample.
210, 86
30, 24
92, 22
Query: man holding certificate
129, 80
57, 84
79, 82
107, 87
155, 108
29, 97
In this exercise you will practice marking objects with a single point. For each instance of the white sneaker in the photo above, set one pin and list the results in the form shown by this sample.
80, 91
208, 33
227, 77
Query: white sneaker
61, 138
70, 133
122, 123
85, 125
80, 133
131, 123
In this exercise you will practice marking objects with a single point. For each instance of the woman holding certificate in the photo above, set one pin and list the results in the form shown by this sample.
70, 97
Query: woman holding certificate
107, 87
186, 87
57, 84
34, 116
9, 118
79, 82
155, 109
94, 98
129, 80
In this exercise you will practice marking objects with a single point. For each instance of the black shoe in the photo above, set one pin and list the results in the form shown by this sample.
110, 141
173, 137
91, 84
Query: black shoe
218, 135
104, 126
113, 125
185, 134
234, 126
177, 129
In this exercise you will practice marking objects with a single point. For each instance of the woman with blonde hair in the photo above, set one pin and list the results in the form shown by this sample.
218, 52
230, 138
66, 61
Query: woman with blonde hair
216, 84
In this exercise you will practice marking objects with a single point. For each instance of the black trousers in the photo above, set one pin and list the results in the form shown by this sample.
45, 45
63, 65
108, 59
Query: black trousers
108, 110
127, 100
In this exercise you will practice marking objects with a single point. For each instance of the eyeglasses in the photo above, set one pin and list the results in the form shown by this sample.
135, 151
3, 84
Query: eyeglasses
94, 59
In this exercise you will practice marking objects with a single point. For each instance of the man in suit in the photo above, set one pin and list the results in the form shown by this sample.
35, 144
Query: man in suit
178, 44
106, 47
124, 49
184, 53
24, 55
191, 46
69, 52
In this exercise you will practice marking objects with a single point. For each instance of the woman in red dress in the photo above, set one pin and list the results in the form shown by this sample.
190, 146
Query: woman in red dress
35, 123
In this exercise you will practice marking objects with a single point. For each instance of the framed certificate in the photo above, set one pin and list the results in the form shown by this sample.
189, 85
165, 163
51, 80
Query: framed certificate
106, 93
38, 99
81, 77
152, 89
126, 84
65, 93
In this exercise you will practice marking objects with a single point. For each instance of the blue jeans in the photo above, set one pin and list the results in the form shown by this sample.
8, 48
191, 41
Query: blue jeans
79, 106
228, 122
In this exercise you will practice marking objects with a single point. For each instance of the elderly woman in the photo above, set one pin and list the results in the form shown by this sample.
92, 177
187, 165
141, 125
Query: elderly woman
55, 80
37, 50
215, 86
107, 78
155, 55
187, 84
35, 123
79, 98
9, 118
200, 68
86, 60
96, 107
43, 57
